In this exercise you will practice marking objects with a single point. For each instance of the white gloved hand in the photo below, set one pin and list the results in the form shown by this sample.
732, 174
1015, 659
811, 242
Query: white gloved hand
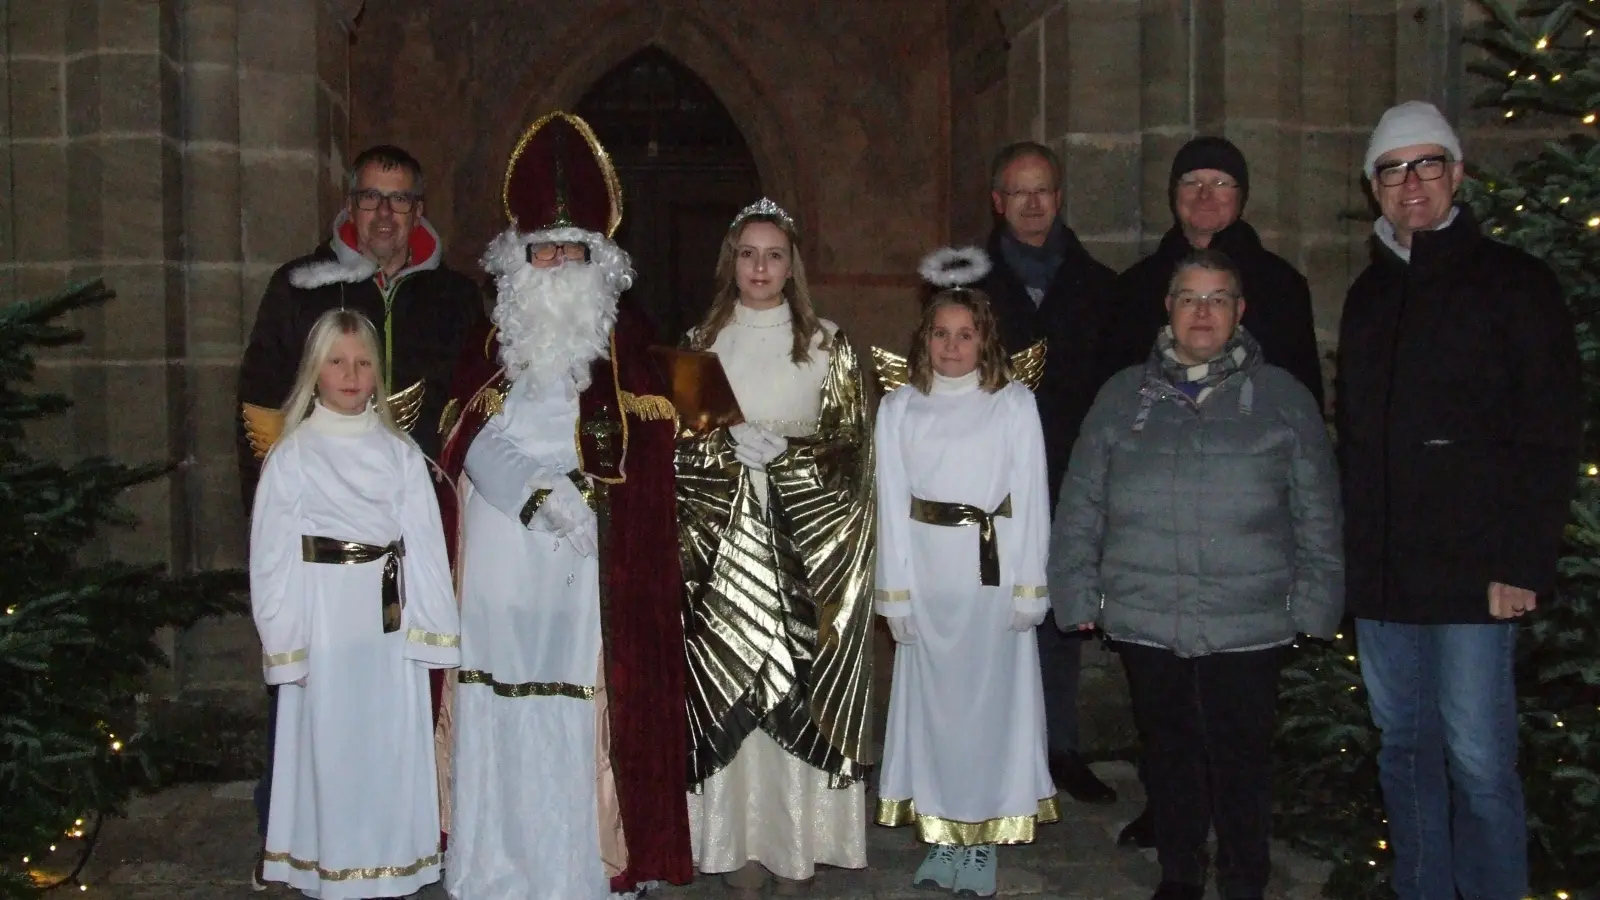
563, 511
755, 446
902, 628
1026, 621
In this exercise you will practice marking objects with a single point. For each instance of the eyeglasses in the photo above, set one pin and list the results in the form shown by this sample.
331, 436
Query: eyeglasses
547, 252
1216, 300
1217, 185
1029, 194
1394, 174
370, 199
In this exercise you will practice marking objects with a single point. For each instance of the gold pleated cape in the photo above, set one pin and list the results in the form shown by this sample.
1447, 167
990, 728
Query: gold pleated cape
779, 614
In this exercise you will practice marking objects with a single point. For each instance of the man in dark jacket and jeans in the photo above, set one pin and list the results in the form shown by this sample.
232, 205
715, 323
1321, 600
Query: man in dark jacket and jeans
1459, 414
1207, 190
1045, 285
385, 261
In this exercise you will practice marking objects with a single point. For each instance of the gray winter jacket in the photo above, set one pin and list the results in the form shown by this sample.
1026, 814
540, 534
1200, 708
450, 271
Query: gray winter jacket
1207, 528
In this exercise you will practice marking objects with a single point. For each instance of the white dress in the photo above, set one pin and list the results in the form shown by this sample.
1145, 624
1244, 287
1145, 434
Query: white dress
524, 821
355, 803
964, 749
769, 806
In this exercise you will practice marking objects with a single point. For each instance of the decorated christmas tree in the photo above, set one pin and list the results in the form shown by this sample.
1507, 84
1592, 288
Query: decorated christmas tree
78, 637
1542, 70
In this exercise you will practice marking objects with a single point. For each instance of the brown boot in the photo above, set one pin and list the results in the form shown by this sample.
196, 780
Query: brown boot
790, 887
746, 883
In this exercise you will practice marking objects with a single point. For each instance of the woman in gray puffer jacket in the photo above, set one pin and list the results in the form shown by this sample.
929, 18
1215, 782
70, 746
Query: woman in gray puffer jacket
1199, 528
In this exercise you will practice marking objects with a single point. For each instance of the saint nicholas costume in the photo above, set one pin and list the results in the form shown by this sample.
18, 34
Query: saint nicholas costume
566, 726
778, 565
351, 593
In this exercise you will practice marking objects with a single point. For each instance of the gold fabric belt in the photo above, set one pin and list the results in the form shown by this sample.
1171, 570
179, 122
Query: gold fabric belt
348, 553
929, 512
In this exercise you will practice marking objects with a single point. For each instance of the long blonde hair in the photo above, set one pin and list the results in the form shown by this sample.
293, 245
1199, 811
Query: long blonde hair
803, 316
994, 367
329, 327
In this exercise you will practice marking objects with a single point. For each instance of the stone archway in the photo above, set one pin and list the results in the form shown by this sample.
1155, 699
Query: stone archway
617, 31
686, 171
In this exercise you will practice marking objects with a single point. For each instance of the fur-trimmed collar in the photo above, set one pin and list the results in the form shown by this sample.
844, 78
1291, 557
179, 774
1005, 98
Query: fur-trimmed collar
348, 266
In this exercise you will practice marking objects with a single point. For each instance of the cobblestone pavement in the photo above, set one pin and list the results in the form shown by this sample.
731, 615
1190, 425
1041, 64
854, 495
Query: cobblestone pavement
196, 842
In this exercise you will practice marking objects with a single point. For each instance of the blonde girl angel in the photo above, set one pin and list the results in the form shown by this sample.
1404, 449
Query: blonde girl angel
963, 524
352, 597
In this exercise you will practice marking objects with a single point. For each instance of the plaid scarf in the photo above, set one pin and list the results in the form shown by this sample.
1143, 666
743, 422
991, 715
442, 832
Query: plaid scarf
1240, 353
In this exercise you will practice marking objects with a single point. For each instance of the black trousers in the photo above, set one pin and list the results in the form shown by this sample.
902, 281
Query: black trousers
1207, 724
1060, 659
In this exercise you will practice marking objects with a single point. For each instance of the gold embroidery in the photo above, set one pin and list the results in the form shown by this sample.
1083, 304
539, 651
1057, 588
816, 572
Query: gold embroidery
526, 688
418, 636
489, 400
284, 659
447, 418
999, 830
650, 407
884, 596
1030, 592
363, 874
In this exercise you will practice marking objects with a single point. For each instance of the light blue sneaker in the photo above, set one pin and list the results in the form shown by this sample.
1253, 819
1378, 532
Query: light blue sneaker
975, 874
938, 869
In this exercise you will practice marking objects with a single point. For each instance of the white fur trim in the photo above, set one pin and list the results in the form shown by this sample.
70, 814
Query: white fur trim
950, 267
332, 271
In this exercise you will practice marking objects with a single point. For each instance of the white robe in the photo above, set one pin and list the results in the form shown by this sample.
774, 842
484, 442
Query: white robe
524, 820
768, 805
964, 748
355, 803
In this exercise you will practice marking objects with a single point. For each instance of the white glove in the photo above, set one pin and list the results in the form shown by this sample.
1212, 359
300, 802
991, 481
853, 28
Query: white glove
754, 446
903, 629
1026, 621
563, 511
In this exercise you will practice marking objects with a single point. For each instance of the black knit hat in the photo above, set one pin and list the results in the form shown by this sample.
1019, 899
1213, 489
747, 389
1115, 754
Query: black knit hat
1208, 152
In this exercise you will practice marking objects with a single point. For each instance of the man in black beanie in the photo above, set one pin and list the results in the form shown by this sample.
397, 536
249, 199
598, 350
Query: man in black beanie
1207, 191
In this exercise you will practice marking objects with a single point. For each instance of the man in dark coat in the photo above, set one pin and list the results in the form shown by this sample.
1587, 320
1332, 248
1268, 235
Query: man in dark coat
385, 261
1045, 286
1207, 190
1459, 413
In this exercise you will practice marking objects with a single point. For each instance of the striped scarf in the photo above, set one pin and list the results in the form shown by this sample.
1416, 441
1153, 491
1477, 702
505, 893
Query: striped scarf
1241, 352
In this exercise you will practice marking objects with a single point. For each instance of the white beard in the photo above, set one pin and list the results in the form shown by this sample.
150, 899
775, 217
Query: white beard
554, 323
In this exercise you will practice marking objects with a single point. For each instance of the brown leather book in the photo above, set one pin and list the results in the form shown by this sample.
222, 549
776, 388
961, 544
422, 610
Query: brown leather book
699, 388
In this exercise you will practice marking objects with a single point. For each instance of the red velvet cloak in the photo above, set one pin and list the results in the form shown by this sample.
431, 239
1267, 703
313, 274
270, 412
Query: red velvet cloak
641, 589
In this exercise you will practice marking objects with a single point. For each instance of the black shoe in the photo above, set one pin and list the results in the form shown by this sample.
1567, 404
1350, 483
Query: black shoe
1176, 890
1141, 832
1074, 777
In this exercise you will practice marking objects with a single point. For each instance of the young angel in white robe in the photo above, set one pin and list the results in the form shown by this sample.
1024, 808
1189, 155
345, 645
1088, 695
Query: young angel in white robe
353, 600
963, 526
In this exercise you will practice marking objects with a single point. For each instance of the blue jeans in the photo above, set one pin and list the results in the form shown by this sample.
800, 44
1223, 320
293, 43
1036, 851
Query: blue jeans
1445, 704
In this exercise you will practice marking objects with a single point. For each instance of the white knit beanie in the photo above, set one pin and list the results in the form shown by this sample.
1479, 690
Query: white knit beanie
1411, 123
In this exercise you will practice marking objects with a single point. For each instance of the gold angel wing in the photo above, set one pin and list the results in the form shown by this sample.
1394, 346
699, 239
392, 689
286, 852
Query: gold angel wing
892, 368
262, 426
1027, 366
406, 405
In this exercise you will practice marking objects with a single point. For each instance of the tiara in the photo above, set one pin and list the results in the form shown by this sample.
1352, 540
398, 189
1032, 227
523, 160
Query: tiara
762, 207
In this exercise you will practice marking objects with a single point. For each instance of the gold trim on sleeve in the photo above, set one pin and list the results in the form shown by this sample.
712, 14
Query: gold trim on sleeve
999, 830
490, 400
432, 639
363, 874
526, 688
274, 660
1030, 592
650, 407
883, 596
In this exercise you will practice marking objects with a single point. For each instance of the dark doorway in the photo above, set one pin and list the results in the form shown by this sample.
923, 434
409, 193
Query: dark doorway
685, 171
